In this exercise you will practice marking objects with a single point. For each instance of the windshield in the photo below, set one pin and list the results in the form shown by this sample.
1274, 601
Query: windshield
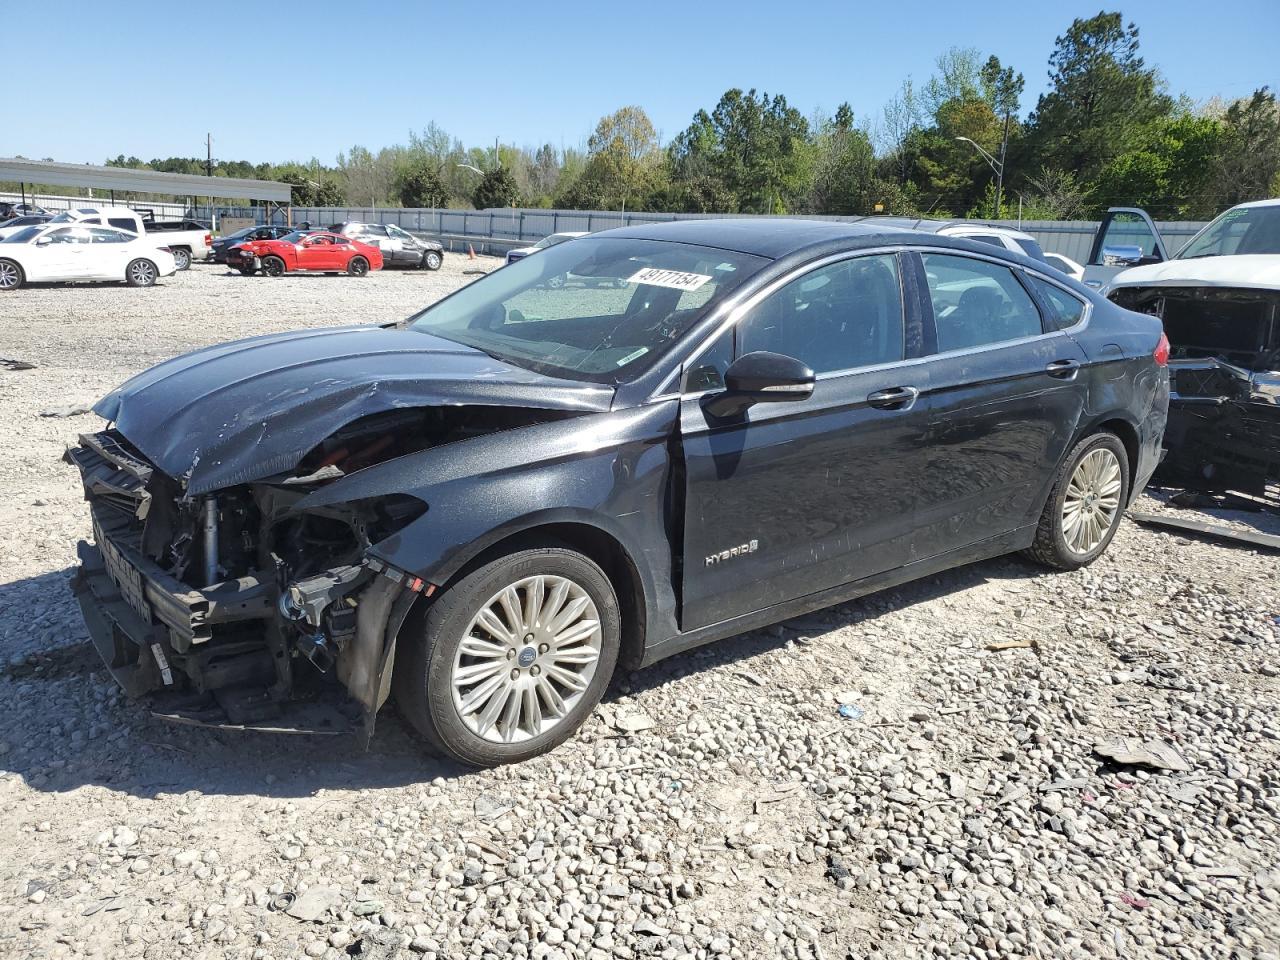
296, 236
599, 309
25, 235
244, 232
1239, 231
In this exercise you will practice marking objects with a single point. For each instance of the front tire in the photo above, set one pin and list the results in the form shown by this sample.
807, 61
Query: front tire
182, 259
11, 275
358, 267
141, 273
1084, 507
272, 267
509, 661
432, 260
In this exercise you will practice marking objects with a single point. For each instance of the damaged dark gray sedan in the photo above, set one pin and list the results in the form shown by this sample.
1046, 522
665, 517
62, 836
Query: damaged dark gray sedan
489, 507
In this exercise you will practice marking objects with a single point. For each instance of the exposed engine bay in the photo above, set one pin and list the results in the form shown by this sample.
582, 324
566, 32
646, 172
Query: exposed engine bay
1223, 433
234, 603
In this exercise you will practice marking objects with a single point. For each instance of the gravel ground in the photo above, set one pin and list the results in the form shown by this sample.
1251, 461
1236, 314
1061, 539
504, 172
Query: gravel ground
717, 805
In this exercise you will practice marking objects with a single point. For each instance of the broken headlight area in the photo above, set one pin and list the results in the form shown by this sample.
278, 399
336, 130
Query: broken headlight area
1223, 431
233, 606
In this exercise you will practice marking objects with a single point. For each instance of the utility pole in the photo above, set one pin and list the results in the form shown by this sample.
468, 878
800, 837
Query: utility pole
208, 146
1004, 146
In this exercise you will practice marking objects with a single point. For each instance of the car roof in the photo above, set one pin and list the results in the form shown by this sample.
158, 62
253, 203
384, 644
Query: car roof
770, 237
1274, 201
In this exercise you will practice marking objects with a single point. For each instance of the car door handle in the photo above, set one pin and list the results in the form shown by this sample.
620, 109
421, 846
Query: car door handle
1063, 369
895, 398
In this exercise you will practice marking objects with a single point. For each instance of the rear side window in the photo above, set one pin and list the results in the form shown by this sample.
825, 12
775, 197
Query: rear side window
990, 238
1031, 249
838, 317
121, 223
1066, 310
103, 235
976, 302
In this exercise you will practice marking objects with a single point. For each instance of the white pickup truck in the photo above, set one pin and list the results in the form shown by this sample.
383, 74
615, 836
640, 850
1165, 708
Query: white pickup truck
185, 239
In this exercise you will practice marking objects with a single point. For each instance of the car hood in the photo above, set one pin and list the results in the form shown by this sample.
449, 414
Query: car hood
1259, 271
250, 409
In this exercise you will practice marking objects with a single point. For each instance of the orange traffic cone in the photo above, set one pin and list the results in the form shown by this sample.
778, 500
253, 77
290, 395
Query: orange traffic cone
471, 252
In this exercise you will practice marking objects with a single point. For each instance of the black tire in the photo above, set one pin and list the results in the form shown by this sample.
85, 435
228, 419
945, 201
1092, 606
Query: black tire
11, 275
141, 273
245, 271
358, 267
272, 267
182, 258
1051, 547
428, 648
432, 260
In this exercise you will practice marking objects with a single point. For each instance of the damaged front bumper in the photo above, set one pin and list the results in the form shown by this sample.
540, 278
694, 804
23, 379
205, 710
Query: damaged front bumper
1224, 428
257, 651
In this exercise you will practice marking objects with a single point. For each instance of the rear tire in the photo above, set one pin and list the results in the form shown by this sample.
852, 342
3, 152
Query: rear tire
358, 267
563, 603
1083, 511
11, 275
432, 260
141, 273
272, 267
182, 259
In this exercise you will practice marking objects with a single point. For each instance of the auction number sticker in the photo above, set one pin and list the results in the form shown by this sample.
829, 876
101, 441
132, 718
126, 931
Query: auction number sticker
669, 278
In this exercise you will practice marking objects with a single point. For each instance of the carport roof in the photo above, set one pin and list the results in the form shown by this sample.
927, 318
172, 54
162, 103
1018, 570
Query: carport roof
141, 181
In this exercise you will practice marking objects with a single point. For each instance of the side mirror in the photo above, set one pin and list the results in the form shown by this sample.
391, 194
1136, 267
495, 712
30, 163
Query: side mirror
761, 377
43, 241
1121, 256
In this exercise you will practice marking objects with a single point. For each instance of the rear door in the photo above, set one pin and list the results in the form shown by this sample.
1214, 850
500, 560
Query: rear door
1005, 396
791, 498
109, 252
1127, 237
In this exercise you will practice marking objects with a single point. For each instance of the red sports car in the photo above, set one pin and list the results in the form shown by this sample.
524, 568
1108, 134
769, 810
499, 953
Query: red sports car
305, 250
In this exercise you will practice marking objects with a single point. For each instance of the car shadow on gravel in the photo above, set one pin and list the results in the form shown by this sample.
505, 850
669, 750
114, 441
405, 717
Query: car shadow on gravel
741, 648
64, 724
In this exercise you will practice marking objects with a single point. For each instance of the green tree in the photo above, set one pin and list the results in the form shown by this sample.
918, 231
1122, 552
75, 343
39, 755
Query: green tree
1169, 171
421, 186
1249, 158
1102, 94
844, 168
497, 188
755, 147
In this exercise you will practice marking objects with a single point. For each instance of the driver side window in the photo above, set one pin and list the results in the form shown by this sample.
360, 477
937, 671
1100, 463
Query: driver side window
838, 317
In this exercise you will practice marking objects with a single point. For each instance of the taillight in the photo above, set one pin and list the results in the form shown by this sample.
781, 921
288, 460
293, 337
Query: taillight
1161, 356
208, 239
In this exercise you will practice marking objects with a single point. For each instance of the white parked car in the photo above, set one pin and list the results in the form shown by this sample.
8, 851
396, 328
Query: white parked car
519, 253
73, 251
185, 239
1068, 266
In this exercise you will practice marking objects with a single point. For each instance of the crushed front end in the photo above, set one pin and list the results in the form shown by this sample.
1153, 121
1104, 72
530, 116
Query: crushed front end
232, 607
1223, 433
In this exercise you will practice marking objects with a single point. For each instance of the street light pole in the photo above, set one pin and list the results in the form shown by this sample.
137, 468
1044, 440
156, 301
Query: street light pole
996, 165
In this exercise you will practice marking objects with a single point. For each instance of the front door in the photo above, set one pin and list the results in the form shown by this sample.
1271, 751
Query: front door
1004, 395
317, 253
1125, 238
794, 497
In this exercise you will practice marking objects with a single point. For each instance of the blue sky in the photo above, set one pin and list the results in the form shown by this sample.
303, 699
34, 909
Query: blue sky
292, 80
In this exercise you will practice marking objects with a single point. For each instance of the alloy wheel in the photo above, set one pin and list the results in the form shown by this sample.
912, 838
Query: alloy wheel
1092, 500
10, 277
526, 658
142, 273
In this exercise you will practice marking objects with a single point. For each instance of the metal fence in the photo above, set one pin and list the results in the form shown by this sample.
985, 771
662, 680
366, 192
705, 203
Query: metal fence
495, 231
